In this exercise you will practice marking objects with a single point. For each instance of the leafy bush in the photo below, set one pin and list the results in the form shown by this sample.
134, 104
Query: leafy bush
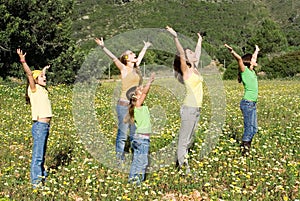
231, 71
287, 65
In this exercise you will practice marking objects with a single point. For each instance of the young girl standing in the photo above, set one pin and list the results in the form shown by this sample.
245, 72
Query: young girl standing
248, 76
139, 114
41, 115
128, 64
185, 66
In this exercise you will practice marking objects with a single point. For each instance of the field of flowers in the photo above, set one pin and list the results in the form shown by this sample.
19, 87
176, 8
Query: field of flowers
270, 172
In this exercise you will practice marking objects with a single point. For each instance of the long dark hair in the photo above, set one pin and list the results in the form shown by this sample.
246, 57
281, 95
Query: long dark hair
177, 68
129, 118
247, 62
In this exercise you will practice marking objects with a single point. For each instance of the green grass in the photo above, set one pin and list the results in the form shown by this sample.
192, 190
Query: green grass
271, 172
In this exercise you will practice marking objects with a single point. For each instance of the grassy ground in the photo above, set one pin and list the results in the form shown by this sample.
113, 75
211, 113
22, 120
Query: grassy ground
77, 171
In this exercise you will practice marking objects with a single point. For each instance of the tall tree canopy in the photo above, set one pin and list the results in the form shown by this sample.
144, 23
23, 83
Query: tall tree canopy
41, 28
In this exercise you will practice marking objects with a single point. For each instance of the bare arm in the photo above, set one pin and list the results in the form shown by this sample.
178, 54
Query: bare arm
142, 52
26, 69
254, 56
180, 49
198, 49
145, 91
45, 68
115, 59
237, 57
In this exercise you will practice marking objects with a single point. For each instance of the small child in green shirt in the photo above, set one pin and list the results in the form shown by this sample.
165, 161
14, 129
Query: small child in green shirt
248, 77
139, 114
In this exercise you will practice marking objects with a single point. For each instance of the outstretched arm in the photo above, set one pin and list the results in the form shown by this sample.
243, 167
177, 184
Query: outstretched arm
237, 57
26, 69
145, 91
254, 56
179, 48
115, 59
198, 49
142, 52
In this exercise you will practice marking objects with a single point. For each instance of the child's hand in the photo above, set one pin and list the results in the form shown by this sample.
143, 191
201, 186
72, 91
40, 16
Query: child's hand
257, 48
199, 36
20, 53
47, 67
147, 44
100, 42
171, 31
228, 47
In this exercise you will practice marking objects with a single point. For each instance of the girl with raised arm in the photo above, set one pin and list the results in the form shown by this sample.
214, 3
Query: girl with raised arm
37, 96
131, 77
248, 77
140, 116
185, 66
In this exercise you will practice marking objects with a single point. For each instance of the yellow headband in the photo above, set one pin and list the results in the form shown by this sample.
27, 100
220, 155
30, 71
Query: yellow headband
36, 73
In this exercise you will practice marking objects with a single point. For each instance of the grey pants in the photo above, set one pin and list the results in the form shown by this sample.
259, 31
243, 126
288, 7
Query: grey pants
189, 121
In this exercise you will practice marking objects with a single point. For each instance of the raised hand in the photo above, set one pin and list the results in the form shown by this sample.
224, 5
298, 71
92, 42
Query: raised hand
100, 42
199, 36
228, 47
45, 68
171, 31
147, 44
20, 53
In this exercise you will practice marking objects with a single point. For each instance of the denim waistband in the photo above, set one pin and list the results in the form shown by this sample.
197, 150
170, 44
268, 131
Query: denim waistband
141, 136
123, 102
249, 101
191, 108
39, 122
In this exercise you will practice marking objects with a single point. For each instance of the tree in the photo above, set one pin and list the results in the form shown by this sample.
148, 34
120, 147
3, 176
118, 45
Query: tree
269, 38
231, 71
283, 66
41, 28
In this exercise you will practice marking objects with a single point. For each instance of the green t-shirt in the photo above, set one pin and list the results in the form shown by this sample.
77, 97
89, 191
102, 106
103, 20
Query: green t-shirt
142, 120
250, 85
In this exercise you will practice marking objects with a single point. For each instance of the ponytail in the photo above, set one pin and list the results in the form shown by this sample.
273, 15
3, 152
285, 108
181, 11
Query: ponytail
129, 118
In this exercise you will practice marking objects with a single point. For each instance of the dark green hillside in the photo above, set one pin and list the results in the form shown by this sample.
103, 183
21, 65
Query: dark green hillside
221, 22
273, 25
287, 14
61, 34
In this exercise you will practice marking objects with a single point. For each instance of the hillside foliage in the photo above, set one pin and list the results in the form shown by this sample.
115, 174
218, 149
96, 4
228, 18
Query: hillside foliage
62, 33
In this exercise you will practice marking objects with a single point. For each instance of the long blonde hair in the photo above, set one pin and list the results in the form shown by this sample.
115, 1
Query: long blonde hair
129, 118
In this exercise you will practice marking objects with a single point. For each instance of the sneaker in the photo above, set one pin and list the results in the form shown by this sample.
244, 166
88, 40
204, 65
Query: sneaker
245, 147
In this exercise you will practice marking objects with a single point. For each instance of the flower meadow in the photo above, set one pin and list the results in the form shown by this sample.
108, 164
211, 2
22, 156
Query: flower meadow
269, 172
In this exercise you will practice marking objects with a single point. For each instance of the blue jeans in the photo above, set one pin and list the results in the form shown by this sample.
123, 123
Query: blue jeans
250, 119
40, 133
122, 131
140, 160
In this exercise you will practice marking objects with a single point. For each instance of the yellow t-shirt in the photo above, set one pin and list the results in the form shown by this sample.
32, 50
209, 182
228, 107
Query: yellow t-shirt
194, 91
40, 103
132, 79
